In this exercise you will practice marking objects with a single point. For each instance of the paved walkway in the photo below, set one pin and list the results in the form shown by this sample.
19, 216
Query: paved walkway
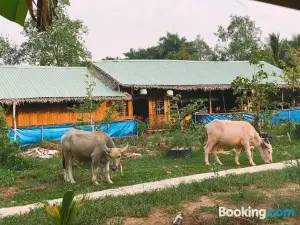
150, 186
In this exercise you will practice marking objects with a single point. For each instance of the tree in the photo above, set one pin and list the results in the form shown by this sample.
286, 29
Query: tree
257, 91
238, 40
142, 53
10, 53
42, 14
171, 43
61, 45
292, 73
111, 58
203, 51
183, 54
295, 42
277, 50
88, 107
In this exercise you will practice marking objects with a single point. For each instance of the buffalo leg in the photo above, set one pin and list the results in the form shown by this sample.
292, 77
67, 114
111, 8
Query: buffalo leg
94, 171
66, 166
249, 154
208, 147
69, 167
237, 156
216, 157
121, 169
106, 173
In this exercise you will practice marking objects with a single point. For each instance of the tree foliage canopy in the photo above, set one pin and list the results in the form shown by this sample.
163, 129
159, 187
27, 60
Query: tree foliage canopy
61, 45
238, 40
10, 53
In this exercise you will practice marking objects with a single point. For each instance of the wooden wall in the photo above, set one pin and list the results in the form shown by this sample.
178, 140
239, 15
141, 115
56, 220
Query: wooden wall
51, 114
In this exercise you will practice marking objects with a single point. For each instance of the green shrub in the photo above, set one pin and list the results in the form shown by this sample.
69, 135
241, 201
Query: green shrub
7, 178
9, 152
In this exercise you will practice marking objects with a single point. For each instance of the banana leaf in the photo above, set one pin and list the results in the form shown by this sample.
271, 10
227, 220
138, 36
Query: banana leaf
14, 10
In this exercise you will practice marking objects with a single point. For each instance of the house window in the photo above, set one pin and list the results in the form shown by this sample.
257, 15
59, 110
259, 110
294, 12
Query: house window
158, 106
123, 109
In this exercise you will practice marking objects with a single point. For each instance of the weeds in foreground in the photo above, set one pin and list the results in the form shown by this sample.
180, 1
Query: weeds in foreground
247, 195
99, 211
64, 213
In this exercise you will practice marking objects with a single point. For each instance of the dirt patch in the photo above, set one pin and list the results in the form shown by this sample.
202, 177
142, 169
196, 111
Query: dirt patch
191, 206
21, 179
8, 191
191, 210
289, 190
61, 171
156, 217
289, 221
39, 188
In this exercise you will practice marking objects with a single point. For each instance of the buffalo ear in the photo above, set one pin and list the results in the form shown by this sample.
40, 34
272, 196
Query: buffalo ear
125, 148
107, 151
264, 145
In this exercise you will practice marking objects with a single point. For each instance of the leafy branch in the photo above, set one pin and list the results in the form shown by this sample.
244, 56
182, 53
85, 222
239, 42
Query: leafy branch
258, 91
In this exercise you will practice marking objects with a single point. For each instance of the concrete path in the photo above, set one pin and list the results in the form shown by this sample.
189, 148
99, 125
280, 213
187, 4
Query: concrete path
151, 186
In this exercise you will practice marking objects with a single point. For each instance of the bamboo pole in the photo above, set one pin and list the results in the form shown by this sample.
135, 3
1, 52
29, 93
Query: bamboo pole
224, 104
210, 103
282, 100
14, 121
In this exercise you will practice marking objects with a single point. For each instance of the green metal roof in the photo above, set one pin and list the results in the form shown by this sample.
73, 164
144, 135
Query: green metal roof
178, 72
40, 82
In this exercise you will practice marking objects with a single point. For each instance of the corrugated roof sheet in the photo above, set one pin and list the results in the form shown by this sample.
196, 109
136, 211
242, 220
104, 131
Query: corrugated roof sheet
177, 72
28, 82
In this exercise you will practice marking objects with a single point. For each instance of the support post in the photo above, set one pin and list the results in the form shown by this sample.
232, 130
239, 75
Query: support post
210, 103
248, 103
282, 100
42, 132
224, 104
14, 121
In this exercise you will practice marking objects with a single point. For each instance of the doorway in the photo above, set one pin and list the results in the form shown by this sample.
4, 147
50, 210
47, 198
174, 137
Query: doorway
141, 108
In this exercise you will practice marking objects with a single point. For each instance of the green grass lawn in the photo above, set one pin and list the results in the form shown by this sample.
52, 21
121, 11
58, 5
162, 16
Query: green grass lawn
236, 190
45, 180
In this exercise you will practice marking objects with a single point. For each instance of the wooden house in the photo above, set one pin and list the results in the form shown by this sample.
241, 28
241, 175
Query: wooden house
43, 95
151, 83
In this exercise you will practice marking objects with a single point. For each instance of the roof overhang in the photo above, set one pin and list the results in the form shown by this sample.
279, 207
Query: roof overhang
203, 87
10, 101
293, 4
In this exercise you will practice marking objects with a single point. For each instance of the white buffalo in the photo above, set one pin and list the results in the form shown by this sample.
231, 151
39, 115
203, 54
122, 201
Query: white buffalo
86, 146
239, 134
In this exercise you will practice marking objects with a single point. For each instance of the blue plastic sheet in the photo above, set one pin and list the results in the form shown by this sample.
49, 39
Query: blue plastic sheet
31, 135
293, 115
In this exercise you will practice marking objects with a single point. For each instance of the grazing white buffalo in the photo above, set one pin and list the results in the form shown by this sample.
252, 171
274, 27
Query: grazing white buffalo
86, 146
240, 134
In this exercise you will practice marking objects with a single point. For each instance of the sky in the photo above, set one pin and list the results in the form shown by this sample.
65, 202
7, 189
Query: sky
115, 26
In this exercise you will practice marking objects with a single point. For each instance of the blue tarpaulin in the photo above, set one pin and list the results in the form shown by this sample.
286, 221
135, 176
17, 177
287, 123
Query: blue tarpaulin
31, 135
293, 115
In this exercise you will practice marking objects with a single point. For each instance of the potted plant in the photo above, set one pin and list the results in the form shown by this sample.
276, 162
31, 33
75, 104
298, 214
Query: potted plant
180, 143
148, 129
